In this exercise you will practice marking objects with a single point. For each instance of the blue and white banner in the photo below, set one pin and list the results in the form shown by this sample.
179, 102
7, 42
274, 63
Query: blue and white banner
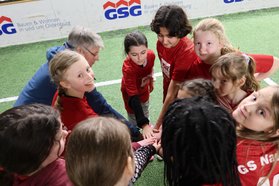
38, 20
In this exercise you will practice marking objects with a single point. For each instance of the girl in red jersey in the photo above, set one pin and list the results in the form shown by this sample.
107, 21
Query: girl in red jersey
233, 78
257, 118
175, 51
73, 77
137, 80
211, 42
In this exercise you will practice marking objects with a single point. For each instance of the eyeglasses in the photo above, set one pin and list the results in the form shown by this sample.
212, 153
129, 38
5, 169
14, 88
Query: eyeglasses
93, 54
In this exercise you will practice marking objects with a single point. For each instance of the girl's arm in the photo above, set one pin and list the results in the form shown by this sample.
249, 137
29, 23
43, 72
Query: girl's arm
142, 157
266, 65
170, 97
151, 84
99, 104
142, 121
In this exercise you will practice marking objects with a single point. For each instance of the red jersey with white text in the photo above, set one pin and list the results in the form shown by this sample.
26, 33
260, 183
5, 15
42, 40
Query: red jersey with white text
255, 160
73, 110
137, 79
176, 61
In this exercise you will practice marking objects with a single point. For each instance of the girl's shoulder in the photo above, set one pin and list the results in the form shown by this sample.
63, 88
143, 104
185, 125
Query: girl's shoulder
255, 147
186, 42
244, 141
53, 174
185, 46
150, 52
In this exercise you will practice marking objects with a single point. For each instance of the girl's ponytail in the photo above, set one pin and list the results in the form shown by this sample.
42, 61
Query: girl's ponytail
251, 83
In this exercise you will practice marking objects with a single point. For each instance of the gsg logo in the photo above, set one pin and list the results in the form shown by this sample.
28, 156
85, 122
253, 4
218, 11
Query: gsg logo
122, 9
6, 25
232, 1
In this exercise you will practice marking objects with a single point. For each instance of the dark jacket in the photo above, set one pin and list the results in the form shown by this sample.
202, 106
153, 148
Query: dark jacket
40, 89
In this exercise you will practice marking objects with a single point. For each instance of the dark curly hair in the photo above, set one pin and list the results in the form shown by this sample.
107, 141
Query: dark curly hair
174, 19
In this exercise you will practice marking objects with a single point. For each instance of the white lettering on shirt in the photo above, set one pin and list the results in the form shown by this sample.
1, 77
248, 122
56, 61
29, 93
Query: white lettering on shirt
244, 169
165, 68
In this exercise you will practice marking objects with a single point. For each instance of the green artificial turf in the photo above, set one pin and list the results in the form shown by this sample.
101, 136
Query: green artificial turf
252, 32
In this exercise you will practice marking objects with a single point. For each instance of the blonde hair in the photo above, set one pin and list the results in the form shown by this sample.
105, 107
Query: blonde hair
57, 68
97, 151
216, 27
265, 136
234, 66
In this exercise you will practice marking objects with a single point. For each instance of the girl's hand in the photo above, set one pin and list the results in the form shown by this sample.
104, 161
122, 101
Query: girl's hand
148, 141
157, 134
147, 131
157, 145
158, 124
151, 85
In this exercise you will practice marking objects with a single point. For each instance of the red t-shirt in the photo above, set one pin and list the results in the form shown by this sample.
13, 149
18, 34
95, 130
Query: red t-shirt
53, 174
136, 79
73, 110
255, 160
199, 70
263, 62
176, 61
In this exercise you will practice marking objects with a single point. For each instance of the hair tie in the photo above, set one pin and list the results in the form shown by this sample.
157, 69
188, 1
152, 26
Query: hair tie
247, 58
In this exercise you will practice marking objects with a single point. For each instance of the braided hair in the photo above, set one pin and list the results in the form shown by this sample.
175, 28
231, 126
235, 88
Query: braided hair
199, 144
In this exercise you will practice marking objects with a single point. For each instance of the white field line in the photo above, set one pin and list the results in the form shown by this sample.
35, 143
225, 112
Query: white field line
117, 81
100, 84
270, 81
3, 100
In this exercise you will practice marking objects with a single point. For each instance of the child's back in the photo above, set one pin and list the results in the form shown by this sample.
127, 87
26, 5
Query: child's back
31, 141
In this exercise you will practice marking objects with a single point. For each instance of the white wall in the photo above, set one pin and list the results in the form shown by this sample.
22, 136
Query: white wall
51, 19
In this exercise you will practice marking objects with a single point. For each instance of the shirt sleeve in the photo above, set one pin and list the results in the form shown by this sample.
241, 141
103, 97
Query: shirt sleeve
142, 157
263, 62
184, 60
134, 103
101, 107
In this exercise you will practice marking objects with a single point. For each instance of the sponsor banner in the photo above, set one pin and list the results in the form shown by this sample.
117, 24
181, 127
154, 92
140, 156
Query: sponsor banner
39, 20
